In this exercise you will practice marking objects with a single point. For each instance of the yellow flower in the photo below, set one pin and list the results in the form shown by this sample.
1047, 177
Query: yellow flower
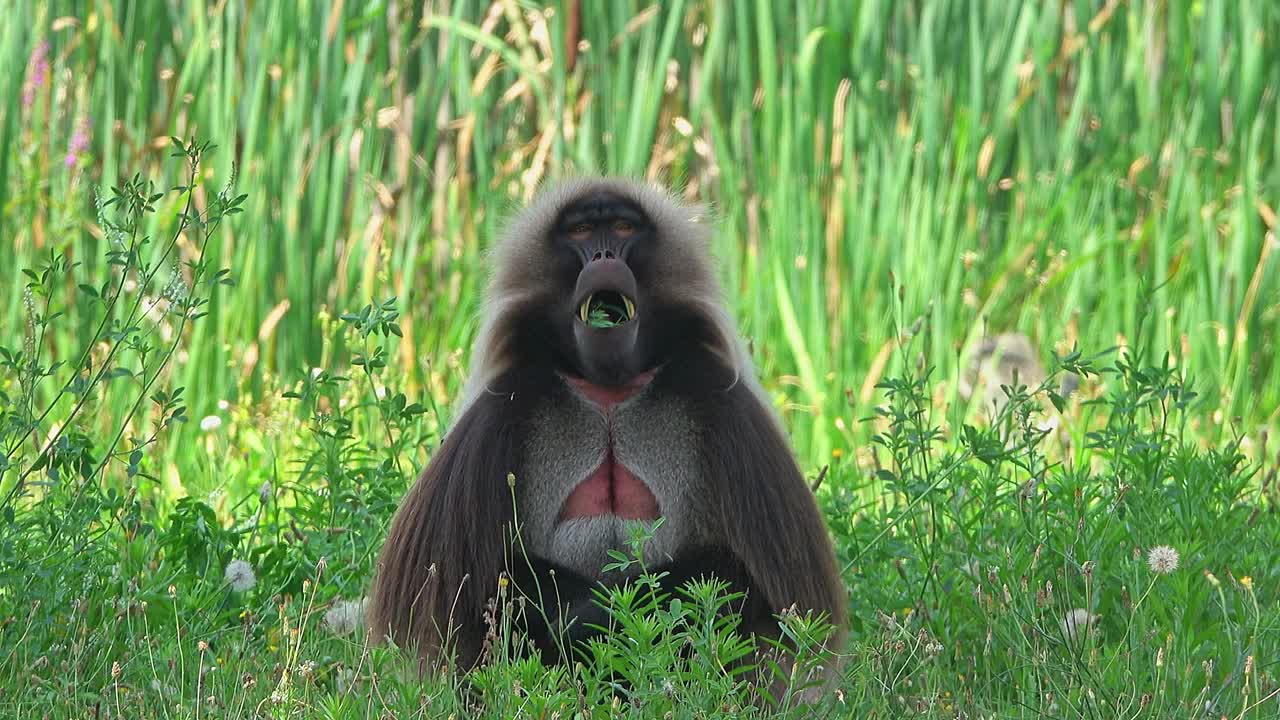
1247, 582
837, 453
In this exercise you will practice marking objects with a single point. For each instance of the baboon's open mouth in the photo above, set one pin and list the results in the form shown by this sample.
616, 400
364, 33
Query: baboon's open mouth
606, 328
606, 309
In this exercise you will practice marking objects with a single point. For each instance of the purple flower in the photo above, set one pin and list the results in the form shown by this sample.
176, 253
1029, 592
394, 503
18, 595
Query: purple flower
37, 73
79, 142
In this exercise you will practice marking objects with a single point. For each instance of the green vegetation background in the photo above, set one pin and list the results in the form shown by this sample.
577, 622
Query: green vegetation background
893, 182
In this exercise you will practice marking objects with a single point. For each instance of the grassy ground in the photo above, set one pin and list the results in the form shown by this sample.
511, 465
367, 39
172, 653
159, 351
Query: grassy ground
894, 181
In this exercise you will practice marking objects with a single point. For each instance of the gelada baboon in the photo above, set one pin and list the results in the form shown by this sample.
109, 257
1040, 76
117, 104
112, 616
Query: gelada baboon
608, 386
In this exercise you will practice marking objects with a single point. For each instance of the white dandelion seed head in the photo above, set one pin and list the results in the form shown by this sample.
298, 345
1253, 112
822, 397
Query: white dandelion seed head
345, 616
210, 423
1162, 559
239, 575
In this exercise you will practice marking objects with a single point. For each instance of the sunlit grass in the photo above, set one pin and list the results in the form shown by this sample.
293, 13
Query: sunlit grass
1013, 166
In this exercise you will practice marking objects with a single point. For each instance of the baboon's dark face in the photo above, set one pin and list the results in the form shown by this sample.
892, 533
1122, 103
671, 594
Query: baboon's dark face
602, 243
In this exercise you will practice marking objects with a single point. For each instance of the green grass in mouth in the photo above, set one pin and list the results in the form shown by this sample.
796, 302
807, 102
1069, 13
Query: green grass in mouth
602, 314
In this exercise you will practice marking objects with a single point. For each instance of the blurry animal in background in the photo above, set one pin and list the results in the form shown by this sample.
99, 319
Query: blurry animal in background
999, 361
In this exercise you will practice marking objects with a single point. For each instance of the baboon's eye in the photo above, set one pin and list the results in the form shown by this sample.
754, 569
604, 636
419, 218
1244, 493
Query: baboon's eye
581, 231
623, 227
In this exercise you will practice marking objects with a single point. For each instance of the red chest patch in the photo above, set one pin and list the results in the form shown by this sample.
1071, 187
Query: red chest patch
610, 489
607, 397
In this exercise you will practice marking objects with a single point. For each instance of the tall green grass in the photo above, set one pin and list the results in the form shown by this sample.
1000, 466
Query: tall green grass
893, 181
1013, 165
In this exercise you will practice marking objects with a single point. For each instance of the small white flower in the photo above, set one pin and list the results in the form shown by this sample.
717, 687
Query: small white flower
223, 405
240, 575
210, 423
1162, 559
345, 616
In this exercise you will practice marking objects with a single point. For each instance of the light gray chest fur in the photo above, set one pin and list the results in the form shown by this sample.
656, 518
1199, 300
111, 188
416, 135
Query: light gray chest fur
652, 435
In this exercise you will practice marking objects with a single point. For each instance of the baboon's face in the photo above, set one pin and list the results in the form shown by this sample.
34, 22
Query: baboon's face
604, 245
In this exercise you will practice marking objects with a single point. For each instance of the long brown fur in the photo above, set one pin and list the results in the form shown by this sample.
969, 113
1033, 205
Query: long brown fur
449, 542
